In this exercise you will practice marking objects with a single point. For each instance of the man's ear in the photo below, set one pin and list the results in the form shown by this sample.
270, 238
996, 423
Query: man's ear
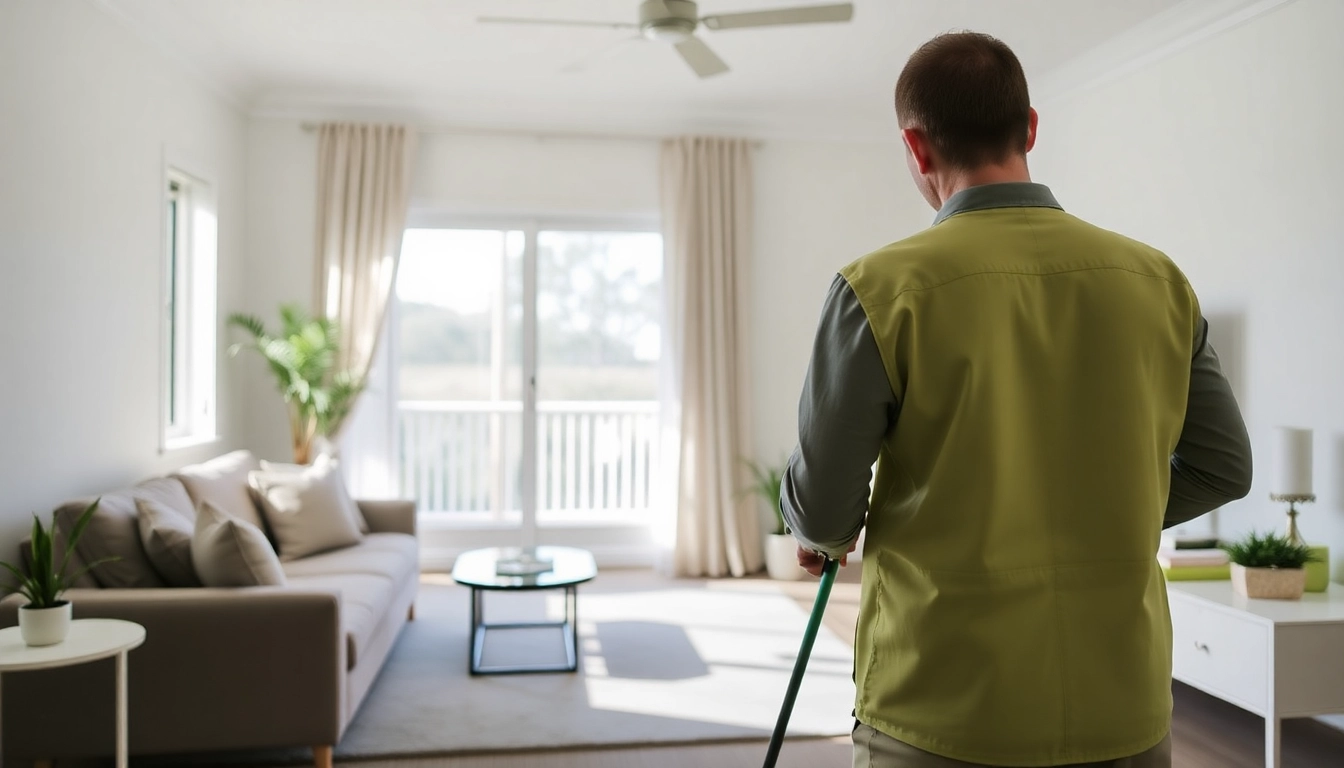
1031, 128
918, 145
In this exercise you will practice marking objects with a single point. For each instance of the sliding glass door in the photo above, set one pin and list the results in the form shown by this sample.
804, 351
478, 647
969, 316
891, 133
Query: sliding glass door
525, 367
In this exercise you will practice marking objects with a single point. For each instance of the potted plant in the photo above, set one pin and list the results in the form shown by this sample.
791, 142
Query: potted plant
303, 358
781, 549
45, 620
1268, 566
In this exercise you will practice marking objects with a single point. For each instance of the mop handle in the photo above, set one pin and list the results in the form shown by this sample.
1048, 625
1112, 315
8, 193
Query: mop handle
828, 570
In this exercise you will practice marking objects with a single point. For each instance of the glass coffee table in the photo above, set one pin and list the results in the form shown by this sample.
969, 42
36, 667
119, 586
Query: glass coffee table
570, 567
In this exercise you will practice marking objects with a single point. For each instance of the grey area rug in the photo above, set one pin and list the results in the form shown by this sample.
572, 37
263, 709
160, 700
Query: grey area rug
662, 661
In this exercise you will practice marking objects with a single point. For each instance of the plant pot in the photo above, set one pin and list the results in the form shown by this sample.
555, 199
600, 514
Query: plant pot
1269, 583
781, 557
45, 626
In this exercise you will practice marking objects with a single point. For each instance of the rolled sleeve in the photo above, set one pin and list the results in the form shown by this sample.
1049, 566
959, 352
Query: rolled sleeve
846, 408
1211, 465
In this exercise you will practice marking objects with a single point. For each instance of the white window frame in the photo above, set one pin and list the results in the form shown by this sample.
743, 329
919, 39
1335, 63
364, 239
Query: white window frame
189, 325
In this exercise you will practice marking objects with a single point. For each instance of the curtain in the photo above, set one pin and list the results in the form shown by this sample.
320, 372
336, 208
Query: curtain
363, 193
707, 225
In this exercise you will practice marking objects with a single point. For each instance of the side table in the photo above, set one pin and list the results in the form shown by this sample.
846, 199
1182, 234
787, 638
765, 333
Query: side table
89, 640
1276, 658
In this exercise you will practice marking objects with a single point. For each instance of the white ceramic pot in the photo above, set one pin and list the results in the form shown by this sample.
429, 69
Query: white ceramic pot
781, 557
1269, 583
44, 626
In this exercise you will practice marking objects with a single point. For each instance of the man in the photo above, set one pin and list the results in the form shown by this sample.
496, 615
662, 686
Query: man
1041, 400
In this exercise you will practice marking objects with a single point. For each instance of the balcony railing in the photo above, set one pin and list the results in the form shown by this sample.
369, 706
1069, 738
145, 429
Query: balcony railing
465, 456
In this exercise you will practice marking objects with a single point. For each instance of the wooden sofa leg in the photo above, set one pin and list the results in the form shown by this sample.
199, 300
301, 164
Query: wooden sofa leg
321, 757
410, 613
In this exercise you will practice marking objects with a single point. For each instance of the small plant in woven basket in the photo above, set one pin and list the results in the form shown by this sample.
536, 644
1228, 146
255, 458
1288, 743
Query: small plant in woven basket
1268, 550
1268, 566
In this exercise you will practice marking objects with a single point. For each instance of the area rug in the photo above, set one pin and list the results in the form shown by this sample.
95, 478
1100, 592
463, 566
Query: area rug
662, 661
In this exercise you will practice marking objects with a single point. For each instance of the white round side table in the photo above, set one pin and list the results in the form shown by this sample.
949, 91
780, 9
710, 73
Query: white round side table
89, 640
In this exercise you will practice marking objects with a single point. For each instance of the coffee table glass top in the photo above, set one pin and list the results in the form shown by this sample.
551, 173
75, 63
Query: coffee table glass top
569, 566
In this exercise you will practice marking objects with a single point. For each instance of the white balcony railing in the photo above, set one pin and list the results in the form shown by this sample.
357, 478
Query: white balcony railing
465, 456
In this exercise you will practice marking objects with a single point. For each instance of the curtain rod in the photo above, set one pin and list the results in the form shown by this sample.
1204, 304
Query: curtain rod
448, 130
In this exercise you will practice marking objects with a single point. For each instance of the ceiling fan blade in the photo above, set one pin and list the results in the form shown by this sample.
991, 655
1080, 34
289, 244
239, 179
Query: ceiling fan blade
705, 62
812, 14
555, 22
601, 54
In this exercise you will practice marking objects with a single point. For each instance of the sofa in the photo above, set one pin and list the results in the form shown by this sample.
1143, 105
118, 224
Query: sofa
222, 668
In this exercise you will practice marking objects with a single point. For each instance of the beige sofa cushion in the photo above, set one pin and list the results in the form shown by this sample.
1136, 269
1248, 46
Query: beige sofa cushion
222, 481
228, 552
166, 536
114, 532
306, 508
322, 461
369, 576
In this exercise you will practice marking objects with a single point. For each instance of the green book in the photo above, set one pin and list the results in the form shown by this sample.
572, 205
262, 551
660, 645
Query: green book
1199, 573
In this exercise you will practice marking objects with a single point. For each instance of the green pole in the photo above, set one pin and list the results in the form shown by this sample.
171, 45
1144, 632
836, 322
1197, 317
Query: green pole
828, 570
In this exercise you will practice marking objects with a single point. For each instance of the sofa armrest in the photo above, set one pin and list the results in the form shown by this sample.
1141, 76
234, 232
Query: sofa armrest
389, 515
219, 669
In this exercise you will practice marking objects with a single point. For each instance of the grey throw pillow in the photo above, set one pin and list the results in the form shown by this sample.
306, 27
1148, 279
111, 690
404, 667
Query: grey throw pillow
166, 536
228, 552
307, 509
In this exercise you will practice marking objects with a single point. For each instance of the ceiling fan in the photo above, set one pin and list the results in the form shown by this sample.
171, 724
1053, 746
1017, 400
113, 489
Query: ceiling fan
675, 22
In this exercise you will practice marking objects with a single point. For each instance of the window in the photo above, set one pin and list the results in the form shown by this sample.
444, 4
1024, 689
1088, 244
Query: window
188, 316
571, 306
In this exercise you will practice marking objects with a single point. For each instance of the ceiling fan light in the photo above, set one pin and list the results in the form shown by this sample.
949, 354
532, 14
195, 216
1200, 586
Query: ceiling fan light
668, 30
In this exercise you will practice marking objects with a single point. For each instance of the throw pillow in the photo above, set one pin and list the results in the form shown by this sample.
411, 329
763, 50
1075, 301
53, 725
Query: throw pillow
323, 460
308, 510
222, 481
229, 552
166, 535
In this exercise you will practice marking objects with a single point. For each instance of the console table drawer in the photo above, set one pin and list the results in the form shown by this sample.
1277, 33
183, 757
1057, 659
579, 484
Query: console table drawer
1224, 654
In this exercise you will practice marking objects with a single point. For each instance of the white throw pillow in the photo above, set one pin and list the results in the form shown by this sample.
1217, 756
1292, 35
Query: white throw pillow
229, 552
322, 461
306, 508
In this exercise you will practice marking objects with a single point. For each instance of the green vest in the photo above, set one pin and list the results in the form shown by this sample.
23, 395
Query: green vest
1013, 612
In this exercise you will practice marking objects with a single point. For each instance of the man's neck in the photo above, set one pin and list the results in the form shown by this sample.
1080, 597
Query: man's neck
1014, 169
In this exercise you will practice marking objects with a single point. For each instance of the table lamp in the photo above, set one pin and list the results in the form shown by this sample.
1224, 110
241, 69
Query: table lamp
1292, 473
1291, 482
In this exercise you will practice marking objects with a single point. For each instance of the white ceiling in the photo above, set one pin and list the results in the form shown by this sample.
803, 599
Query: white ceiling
430, 60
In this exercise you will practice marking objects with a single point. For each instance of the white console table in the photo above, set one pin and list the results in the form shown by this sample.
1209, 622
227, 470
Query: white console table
1276, 658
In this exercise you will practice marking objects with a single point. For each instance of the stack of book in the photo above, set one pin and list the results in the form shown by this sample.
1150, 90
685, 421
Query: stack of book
1193, 559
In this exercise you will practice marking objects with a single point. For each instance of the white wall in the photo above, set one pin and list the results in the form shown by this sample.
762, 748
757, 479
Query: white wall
1228, 157
86, 109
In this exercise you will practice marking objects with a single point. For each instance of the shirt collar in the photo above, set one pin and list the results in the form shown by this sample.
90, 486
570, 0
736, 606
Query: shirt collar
1013, 194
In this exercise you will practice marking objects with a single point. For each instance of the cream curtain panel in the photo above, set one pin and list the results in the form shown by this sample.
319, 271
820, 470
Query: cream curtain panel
363, 193
707, 225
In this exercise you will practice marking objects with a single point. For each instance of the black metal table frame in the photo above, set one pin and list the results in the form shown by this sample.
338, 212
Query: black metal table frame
479, 628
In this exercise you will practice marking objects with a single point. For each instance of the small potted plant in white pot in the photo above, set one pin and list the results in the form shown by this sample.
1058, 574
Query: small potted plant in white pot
781, 549
1268, 566
45, 620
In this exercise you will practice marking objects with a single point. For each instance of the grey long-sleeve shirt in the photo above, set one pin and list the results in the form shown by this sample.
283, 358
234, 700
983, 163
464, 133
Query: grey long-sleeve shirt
847, 407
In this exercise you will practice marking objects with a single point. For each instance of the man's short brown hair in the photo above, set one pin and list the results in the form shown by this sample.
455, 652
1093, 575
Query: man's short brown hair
966, 91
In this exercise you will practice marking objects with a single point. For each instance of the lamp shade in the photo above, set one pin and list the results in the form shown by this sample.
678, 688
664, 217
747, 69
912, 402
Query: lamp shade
1291, 459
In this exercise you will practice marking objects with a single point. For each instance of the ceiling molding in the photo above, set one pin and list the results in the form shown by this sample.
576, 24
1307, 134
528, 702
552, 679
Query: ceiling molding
231, 89
647, 126
1150, 41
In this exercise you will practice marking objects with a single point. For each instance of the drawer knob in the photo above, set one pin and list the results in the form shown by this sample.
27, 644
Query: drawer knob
1201, 646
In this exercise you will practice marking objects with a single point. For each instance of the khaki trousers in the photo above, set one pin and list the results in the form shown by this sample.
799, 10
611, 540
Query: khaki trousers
874, 749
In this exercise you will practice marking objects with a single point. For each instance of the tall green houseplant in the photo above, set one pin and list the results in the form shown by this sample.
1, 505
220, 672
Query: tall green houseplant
303, 358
